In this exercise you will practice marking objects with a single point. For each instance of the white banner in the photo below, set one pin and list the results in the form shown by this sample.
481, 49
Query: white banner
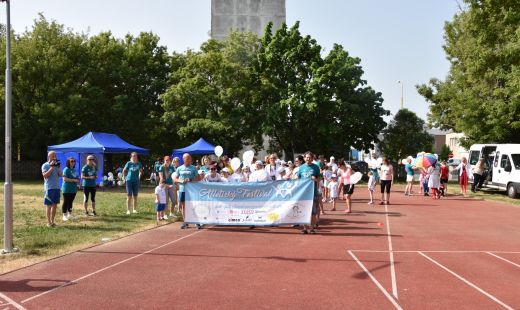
258, 204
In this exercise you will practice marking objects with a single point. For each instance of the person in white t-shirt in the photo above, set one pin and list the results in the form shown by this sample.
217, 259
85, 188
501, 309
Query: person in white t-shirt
213, 176
327, 177
371, 187
238, 176
333, 190
160, 199
259, 175
272, 167
225, 173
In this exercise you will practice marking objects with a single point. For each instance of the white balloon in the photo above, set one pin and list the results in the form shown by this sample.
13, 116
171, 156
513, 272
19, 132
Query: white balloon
235, 163
356, 177
404, 161
247, 157
218, 150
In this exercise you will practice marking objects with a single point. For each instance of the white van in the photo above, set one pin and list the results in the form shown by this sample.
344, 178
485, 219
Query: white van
504, 165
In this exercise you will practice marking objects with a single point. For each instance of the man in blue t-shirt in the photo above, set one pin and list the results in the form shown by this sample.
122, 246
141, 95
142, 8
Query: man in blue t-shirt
51, 183
184, 174
312, 171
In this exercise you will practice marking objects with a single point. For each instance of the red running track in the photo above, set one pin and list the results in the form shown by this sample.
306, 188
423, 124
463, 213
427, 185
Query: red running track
452, 253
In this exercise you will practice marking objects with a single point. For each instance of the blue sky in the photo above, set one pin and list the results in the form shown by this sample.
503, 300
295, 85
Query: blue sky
396, 40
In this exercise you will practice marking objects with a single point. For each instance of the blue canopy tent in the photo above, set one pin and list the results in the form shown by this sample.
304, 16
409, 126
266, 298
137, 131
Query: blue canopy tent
97, 144
201, 147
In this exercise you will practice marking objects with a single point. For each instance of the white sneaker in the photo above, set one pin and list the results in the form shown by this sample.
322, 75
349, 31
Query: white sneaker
370, 202
69, 216
127, 211
135, 211
165, 217
65, 218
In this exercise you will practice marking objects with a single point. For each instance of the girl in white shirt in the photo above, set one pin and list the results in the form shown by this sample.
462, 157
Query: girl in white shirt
333, 190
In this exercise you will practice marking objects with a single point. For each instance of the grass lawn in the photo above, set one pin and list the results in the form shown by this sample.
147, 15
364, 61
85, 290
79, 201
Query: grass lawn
37, 242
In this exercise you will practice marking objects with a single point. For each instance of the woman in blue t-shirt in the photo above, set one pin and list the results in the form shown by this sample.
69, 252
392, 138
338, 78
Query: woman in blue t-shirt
89, 176
69, 187
132, 174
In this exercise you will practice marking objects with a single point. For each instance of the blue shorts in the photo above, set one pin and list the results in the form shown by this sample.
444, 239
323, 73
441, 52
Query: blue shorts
132, 188
182, 196
51, 197
160, 207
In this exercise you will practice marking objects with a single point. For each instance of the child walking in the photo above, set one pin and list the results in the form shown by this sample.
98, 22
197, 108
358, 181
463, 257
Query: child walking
371, 186
333, 190
160, 199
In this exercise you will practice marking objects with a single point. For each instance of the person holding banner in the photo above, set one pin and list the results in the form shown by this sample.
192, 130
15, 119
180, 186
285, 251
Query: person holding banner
311, 171
272, 167
259, 175
184, 174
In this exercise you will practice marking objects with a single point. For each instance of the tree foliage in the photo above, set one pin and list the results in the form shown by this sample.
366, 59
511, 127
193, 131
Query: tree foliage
233, 92
405, 136
314, 103
66, 84
480, 95
211, 93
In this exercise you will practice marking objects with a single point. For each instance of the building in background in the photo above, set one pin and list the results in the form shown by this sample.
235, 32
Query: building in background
245, 15
453, 142
439, 139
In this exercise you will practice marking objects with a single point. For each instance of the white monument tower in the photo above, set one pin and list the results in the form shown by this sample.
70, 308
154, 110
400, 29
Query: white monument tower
245, 15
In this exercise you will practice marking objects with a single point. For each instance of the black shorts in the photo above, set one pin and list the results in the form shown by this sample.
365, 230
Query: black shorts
89, 191
385, 186
348, 189
444, 181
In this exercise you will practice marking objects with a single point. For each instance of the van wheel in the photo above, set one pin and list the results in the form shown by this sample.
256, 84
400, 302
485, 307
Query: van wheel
512, 190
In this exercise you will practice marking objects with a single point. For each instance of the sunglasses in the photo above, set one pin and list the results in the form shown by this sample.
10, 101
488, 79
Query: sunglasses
72, 161
90, 158
213, 169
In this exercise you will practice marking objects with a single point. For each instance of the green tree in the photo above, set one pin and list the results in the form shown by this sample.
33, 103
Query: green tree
314, 103
48, 65
210, 95
445, 152
404, 136
480, 94
66, 84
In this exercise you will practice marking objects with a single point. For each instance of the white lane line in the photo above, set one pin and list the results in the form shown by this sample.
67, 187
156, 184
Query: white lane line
381, 288
12, 302
432, 251
505, 260
391, 253
108, 267
467, 282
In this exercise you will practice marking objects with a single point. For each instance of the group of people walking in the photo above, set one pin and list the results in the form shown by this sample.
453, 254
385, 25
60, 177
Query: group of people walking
332, 181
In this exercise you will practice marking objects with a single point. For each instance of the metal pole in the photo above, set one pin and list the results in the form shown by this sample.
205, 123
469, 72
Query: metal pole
8, 186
